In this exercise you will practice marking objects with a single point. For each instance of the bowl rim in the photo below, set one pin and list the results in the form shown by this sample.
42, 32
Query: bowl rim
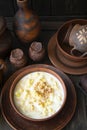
58, 43
24, 73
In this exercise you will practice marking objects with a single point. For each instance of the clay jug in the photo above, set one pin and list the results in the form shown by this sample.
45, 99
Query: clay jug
5, 38
26, 22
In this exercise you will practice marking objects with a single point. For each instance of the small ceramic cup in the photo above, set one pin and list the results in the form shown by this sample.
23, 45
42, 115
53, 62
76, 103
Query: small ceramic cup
17, 58
36, 51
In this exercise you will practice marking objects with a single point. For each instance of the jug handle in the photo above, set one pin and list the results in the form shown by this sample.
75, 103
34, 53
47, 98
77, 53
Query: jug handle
75, 52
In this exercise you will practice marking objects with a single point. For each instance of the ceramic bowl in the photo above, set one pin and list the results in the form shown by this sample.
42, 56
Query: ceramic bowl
64, 49
38, 94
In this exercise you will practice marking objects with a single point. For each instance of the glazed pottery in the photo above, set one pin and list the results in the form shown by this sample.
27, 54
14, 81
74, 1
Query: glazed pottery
26, 22
36, 51
58, 122
5, 38
63, 64
17, 58
64, 48
31, 74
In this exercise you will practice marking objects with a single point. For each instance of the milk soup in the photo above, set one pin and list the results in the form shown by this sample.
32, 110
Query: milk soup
38, 95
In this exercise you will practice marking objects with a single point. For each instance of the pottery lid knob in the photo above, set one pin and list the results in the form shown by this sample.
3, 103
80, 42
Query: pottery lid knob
18, 58
17, 54
36, 51
36, 46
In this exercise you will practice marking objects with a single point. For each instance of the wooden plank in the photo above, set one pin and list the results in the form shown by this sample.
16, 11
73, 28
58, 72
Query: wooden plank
69, 7
42, 7
15, 5
47, 7
75, 7
57, 7
79, 120
48, 22
6, 8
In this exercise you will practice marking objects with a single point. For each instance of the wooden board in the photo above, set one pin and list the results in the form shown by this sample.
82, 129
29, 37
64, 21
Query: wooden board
79, 120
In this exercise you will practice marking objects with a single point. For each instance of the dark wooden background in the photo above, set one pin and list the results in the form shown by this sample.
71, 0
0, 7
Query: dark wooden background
53, 10
57, 8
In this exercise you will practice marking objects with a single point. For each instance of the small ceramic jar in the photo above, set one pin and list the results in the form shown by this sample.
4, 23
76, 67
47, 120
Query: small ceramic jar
36, 51
17, 58
5, 38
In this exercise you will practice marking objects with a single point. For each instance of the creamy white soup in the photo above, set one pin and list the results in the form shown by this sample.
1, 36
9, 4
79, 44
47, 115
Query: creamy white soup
38, 95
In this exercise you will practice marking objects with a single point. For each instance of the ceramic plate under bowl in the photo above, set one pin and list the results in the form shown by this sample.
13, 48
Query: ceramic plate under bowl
58, 122
42, 90
64, 64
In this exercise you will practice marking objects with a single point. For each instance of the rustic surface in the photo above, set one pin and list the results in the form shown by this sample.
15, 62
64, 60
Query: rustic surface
56, 123
47, 7
52, 8
79, 120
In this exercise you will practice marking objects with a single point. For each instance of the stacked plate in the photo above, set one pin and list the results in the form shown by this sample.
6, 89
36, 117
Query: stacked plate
59, 121
59, 50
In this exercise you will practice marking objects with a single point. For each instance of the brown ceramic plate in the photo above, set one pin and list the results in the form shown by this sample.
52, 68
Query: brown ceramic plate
64, 64
57, 123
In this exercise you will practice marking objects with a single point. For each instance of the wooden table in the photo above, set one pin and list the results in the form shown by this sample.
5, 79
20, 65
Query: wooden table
79, 120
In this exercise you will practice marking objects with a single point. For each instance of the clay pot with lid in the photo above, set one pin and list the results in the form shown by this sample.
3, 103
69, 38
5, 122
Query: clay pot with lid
63, 49
26, 22
5, 38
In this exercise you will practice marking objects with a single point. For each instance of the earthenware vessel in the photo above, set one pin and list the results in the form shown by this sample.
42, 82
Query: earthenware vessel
26, 22
36, 51
63, 49
78, 39
58, 122
28, 72
17, 58
5, 38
